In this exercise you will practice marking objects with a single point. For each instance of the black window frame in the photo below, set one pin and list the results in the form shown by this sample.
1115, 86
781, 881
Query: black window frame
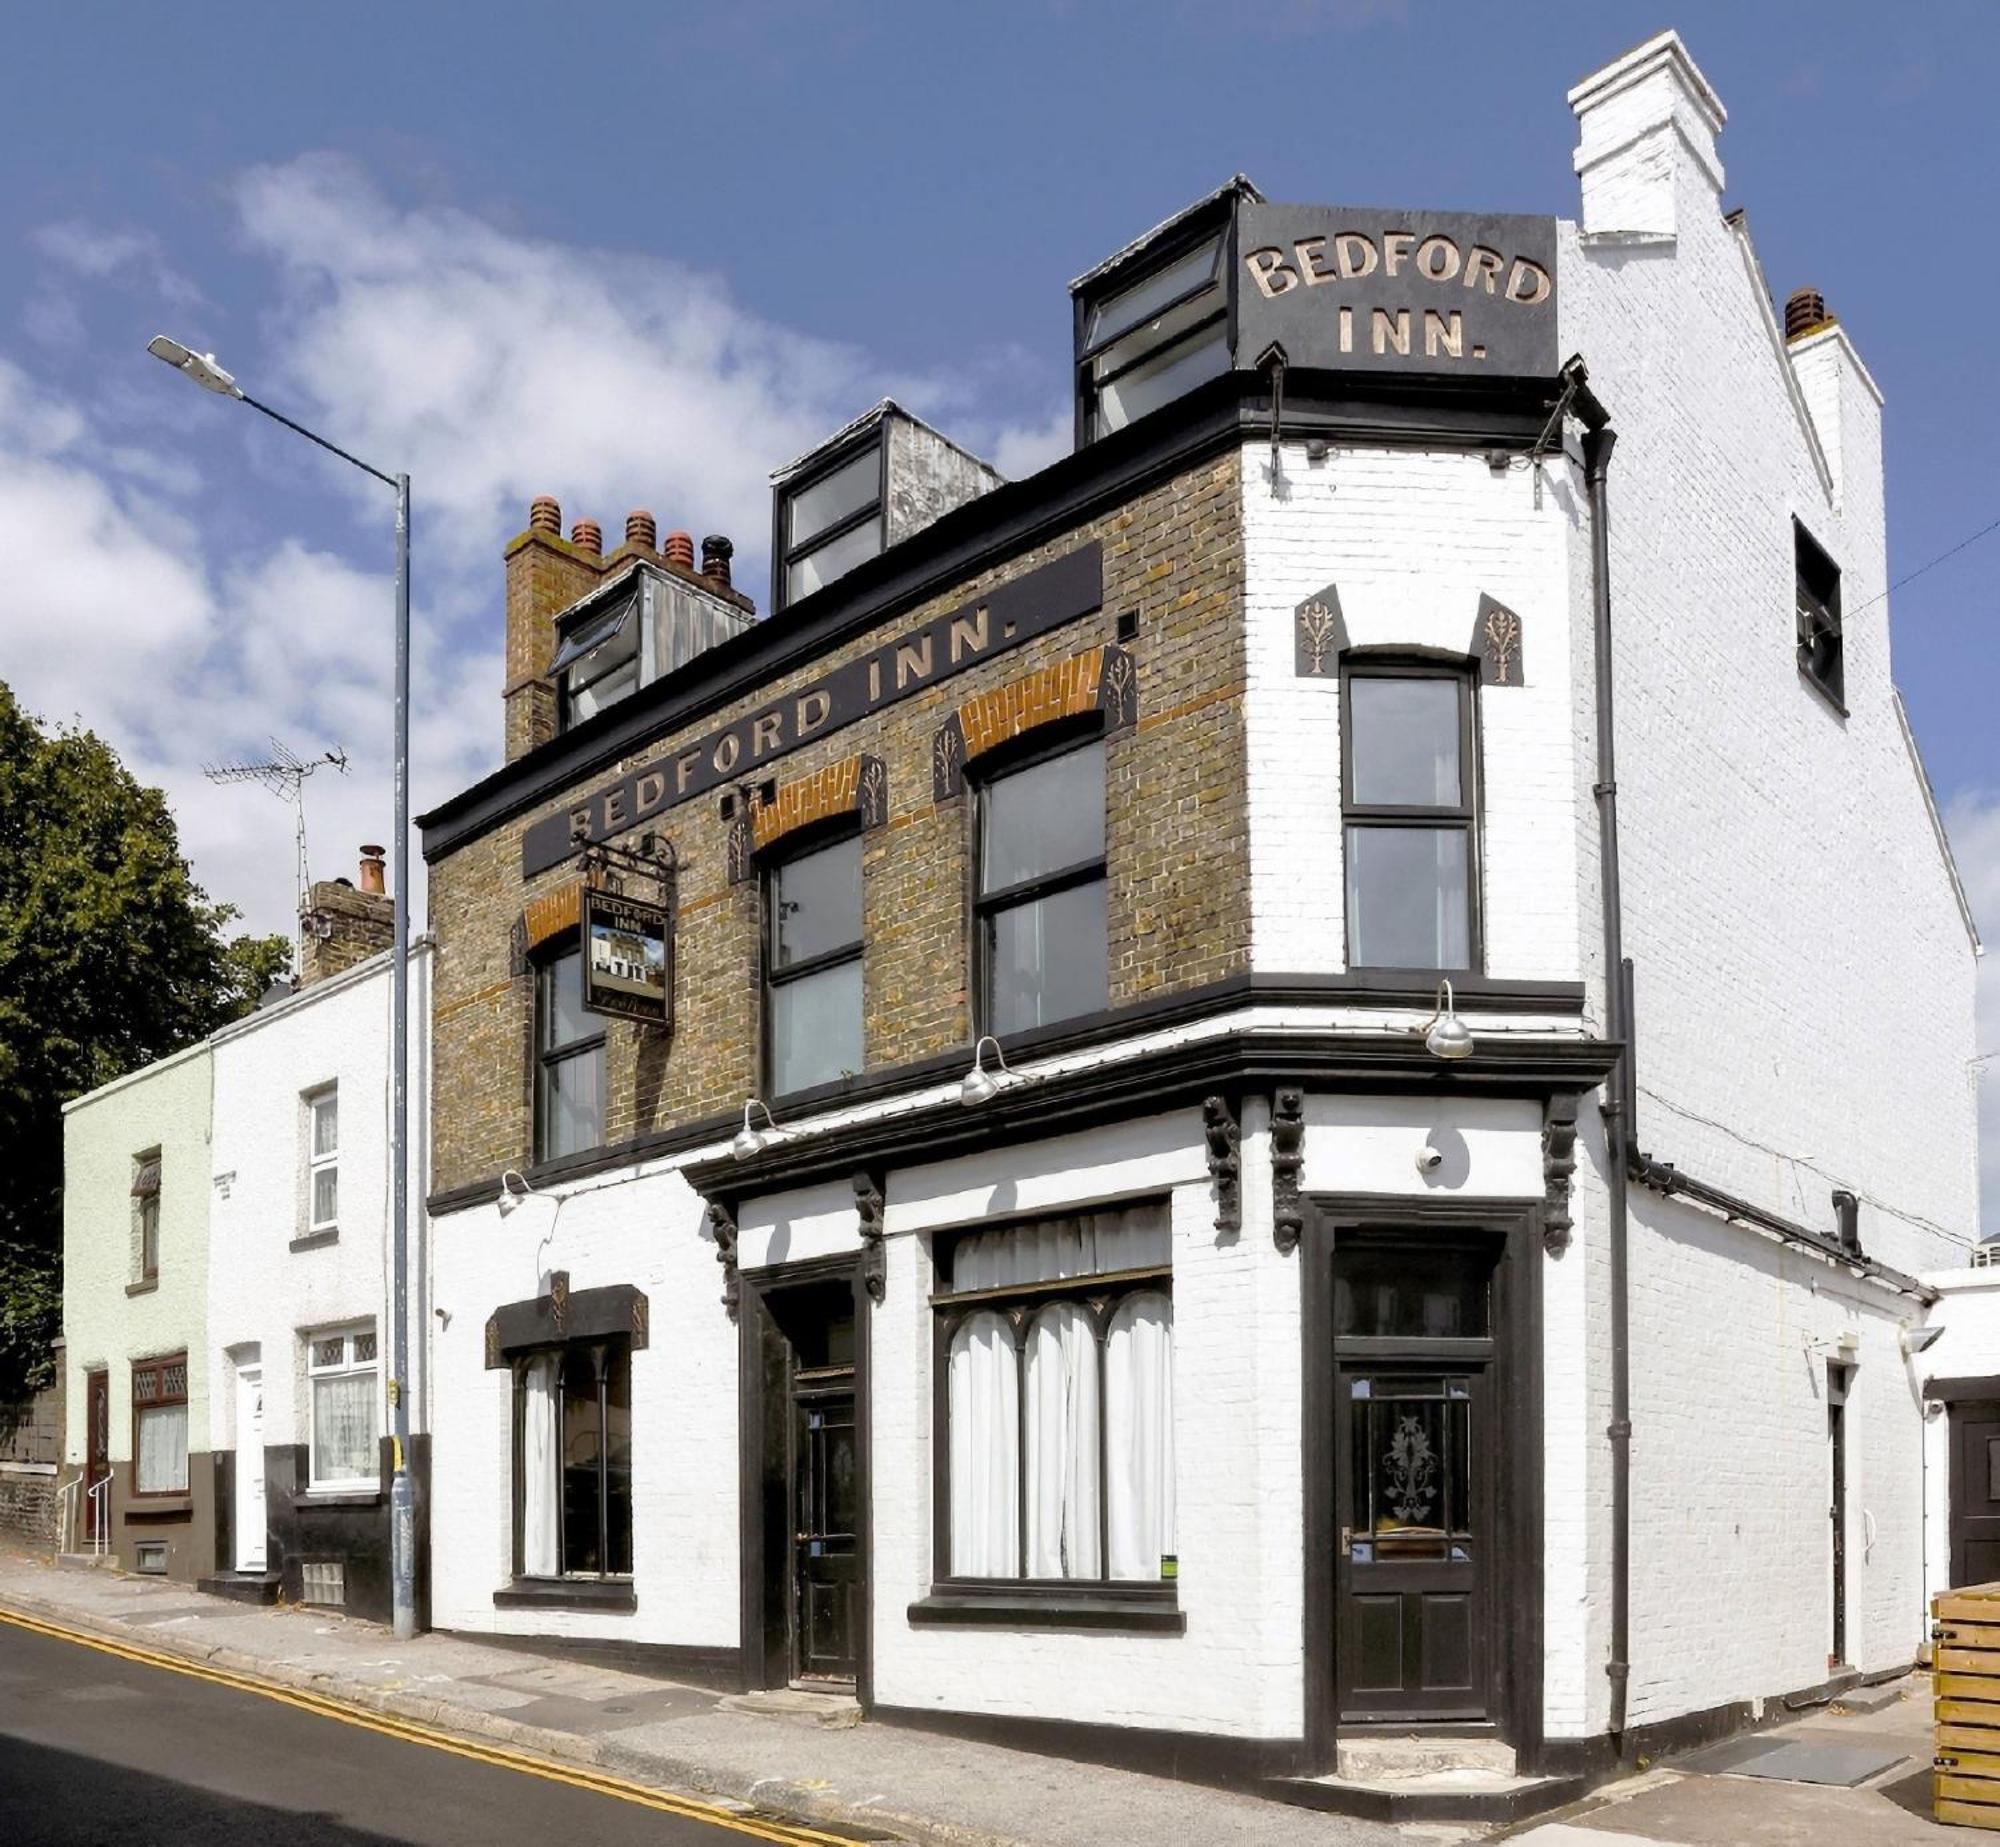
1100, 1296
546, 1057
1822, 643
784, 554
630, 612
1462, 817
795, 846
1043, 745
598, 1349
1221, 278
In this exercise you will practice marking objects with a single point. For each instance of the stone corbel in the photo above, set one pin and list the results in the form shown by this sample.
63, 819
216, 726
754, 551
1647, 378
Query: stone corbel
1224, 1134
868, 1203
1558, 1165
1288, 1159
722, 1227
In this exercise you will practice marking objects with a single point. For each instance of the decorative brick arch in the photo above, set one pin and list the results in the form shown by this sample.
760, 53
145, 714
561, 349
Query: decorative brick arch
857, 785
1102, 679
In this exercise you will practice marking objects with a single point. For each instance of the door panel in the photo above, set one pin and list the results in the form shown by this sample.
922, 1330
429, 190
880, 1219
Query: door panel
826, 1547
1975, 1493
97, 1455
250, 1544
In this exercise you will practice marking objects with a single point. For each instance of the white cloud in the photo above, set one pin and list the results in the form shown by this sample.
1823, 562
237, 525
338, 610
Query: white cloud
1973, 821
493, 366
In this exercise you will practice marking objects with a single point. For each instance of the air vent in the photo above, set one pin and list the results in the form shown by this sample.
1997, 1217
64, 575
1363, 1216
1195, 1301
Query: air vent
325, 1583
150, 1558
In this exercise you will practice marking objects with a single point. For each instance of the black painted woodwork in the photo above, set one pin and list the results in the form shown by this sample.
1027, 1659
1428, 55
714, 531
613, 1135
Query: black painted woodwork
1974, 1490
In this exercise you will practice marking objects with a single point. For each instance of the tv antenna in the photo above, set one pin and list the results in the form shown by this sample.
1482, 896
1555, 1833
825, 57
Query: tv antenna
284, 774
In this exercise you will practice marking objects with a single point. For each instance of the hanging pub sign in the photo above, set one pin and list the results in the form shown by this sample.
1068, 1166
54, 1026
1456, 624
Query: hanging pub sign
1437, 292
628, 958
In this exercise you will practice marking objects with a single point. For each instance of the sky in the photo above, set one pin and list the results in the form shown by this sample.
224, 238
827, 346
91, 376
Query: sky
639, 255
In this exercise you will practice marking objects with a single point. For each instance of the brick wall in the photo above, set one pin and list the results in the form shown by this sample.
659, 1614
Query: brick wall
30, 1459
1176, 846
343, 926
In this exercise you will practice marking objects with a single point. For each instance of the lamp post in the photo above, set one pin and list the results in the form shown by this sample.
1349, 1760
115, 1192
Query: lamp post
202, 368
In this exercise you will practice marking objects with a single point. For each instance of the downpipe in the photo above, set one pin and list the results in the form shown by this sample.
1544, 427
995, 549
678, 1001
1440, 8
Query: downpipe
1598, 442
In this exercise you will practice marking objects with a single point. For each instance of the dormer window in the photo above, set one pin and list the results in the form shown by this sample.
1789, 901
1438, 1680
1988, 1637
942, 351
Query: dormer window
597, 663
1152, 339
644, 625
831, 520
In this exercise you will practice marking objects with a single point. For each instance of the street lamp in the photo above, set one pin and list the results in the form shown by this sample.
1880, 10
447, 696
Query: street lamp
203, 369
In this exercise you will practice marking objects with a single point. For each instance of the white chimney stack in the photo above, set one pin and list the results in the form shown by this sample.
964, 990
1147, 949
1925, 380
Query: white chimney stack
1647, 123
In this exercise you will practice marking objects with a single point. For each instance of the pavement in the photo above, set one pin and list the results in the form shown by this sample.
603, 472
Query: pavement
882, 1780
790, 1758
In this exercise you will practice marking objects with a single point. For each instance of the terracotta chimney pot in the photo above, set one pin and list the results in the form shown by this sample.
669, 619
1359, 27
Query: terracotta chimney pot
545, 514
641, 530
680, 550
1805, 312
372, 878
587, 536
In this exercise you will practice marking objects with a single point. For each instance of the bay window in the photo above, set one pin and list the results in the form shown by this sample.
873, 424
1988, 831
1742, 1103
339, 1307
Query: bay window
1040, 911
812, 966
1410, 836
573, 1460
569, 1060
343, 1372
1055, 1341
160, 1425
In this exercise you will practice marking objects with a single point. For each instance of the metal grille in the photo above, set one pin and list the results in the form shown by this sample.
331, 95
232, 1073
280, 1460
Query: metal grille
364, 1347
324, 1583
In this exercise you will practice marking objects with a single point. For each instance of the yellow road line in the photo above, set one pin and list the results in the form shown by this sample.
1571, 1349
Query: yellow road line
411, 1732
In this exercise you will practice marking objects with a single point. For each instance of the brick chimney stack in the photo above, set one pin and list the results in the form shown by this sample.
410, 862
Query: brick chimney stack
343, 925
546, 573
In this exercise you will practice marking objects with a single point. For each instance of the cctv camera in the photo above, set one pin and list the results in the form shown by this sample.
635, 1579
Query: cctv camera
1429, 1159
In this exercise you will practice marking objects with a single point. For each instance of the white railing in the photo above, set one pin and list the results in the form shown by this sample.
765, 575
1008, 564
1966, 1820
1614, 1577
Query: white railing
99, 1521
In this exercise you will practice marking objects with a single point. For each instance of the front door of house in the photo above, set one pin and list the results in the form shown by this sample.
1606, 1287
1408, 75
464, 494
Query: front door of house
97, 1458
1414, 1466
249, 1510
826, 1556
1975, 1492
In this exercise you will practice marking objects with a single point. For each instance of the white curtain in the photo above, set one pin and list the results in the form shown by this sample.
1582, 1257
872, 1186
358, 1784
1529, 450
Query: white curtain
163, 1450
541, 1511
344, 1425
1139, 1435
1064, 1493
1084, 1244
985, 1414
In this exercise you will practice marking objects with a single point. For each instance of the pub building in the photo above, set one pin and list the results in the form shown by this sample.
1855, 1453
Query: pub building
1115, 1126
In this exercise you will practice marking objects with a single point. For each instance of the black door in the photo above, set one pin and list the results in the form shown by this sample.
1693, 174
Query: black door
1975, 1492
826, 1553
1836, 1438
1413, 1636
1414, 1467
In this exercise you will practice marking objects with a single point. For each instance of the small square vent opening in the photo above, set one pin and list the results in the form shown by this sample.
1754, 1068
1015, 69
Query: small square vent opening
324, 1583
150, 1558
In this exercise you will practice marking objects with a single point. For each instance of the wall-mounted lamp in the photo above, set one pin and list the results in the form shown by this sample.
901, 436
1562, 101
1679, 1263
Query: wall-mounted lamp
750, 1140
981, 1085
1445, 1034
1919, 1340
514, 1188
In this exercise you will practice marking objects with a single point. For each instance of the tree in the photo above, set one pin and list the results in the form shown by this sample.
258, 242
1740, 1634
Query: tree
110, 957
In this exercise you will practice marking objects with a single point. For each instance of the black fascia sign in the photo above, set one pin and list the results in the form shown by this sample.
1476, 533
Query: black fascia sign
1444, 293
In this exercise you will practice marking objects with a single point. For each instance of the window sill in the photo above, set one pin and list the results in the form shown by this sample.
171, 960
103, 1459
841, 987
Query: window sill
146, 1287
567, 1594
314, 1240
1148, 1613
158, 1506
338, 1497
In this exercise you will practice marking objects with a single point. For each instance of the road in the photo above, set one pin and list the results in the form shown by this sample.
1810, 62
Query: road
98, 1747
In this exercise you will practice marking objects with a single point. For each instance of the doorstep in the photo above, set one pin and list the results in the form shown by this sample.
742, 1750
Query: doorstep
1435, 1795
243, 1586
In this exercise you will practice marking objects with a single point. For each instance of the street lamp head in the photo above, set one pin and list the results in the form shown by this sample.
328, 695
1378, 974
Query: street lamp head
200, 367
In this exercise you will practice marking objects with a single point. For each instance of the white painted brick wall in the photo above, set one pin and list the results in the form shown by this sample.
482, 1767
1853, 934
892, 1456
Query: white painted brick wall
261, 1291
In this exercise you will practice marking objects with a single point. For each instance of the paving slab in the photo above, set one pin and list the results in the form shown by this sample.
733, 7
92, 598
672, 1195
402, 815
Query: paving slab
908, 1785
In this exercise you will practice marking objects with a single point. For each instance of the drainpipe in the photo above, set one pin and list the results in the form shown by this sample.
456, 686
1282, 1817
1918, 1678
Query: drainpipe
1598, 441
